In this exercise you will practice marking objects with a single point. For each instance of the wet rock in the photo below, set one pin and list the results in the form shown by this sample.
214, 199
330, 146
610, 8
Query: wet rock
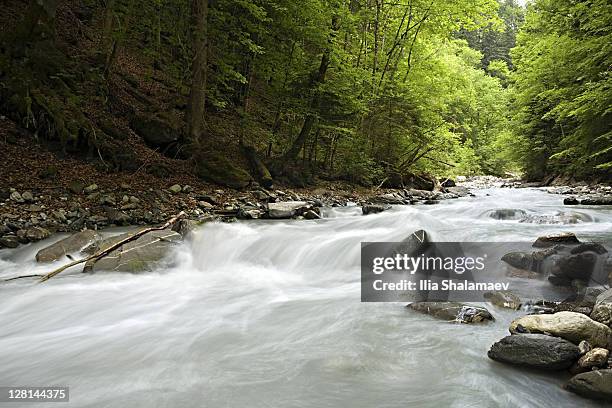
571, 326
583, 307
431, 202
187, 189
72, 244
287, 209
602, 310
186, 227
140, 255
311, 215
589, 247
521, 260
552, 240
597, 357
374, 208
175, 189
9, 241
90, 188
507, 214
578, 266
571, 201
593, 384
535, 351
453, 311
507, 300
604, 200
559, 218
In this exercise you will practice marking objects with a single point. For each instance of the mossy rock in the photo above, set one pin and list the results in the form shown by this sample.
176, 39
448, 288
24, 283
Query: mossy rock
220, 170
157, 130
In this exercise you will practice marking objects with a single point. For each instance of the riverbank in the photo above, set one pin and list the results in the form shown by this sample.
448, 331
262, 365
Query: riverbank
42, 193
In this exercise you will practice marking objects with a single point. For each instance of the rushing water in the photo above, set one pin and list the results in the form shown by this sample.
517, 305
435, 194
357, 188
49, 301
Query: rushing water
268, 314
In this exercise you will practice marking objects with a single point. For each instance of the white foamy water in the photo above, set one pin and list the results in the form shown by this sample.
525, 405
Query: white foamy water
268, 314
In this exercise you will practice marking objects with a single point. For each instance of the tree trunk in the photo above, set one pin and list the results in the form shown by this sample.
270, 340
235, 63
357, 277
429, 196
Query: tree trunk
318, 78
197, 97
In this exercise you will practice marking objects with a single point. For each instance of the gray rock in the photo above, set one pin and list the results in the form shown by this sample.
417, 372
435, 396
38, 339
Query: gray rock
578, 266
571, 326
602, 310
589, 247
90, 188
571, 201
34, 234
390, 198
27, 197
552, 240
140, 255
260, 195
507, 214
175, 189
287, 209
374, 208
535, 351
453, 311
593, 384
311, 215
15, 196
66, 246
507, 300
584, 347
597, 201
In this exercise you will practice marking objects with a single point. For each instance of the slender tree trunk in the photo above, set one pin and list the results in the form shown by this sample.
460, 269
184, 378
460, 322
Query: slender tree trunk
318, 78
197, 97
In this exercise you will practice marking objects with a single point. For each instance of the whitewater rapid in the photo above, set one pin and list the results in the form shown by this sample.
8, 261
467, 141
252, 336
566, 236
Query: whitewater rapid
268, 314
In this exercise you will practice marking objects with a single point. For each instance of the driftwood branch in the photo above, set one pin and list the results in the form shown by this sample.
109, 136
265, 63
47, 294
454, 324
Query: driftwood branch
95, 257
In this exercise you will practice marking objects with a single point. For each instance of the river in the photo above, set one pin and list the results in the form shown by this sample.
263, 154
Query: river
268, 314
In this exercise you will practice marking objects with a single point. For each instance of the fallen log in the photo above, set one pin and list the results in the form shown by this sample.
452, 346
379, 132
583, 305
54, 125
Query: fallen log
95, 257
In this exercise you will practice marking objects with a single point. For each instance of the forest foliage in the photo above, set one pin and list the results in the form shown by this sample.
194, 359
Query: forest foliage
371, 91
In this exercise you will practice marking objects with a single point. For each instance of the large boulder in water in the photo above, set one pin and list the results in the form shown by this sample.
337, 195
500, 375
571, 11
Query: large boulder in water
536, 351
140, 255
66, 246
552, 240
602, 311
507, 214
593, 384
571, 326
453, 311
374, 208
